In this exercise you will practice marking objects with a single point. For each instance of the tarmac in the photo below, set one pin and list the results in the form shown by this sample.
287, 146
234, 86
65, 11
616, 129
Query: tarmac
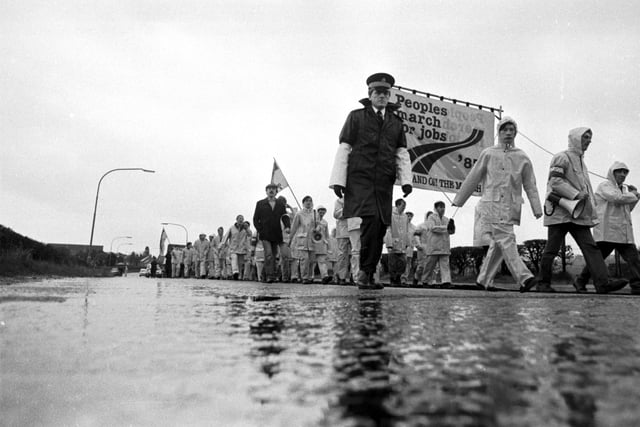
139, 351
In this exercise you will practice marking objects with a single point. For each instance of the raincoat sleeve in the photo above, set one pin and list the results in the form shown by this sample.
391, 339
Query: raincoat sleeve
472, 180
286, 221
612, 194
340, 164
558, 182
531, 188
403, 166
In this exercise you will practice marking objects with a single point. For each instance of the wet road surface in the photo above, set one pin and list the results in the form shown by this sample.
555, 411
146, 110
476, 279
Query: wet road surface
136, 351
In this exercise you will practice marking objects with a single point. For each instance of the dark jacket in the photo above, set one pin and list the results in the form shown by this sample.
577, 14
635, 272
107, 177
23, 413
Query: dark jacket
267, 220
372, 163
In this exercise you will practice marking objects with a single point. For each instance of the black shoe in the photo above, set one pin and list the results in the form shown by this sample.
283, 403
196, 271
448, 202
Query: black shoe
480, 286
492, 289
530, 283
544, 287
612, 286
364, 280
580, 286
446, 285
326, 280
236, 276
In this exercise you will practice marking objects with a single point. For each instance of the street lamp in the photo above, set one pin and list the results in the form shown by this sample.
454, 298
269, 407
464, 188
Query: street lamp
179, 225
95, 207
111, 246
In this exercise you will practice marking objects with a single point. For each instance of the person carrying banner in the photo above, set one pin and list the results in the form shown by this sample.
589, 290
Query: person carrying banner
372, 154
266, 218
614, 203
504, 171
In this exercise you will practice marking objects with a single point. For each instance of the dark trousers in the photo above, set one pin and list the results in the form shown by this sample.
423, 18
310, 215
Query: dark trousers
270, 253
397, 266
372, 232
582, 235
627, 251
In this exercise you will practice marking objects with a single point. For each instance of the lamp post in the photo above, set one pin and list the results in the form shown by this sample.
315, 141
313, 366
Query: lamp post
95, 207
111, 246
179, 225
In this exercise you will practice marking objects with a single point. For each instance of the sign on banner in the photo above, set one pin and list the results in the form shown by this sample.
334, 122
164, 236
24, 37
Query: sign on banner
444, 139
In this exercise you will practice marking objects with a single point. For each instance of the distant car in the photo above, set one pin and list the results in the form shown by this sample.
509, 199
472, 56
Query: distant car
143, 272
115, 272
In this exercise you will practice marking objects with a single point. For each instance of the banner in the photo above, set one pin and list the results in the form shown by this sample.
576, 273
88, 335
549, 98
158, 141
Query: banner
444, 139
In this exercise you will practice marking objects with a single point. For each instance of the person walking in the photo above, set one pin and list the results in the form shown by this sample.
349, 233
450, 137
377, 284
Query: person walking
438, 247
236, 245
321, 244
267, 218
302, 237
372, 154
343, 243
614, 203
408, 274
504, 171
397, 240
176, 261
201, 247
569, 179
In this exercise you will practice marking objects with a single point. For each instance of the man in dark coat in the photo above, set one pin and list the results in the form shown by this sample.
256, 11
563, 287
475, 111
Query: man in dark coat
266, 218
372, 154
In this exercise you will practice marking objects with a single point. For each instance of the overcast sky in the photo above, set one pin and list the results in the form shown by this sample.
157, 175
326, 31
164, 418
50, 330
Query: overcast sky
206, 93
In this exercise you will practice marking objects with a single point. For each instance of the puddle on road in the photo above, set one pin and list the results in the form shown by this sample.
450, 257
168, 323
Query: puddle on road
177, 353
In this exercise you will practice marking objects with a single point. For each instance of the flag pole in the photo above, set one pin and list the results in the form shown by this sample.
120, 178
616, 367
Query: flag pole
294, 197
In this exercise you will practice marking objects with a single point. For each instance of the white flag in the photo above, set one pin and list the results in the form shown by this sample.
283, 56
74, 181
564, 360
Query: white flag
277, 177
163, 240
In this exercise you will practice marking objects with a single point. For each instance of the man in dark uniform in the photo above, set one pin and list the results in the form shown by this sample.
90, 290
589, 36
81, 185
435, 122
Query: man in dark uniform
266, 218
372, 154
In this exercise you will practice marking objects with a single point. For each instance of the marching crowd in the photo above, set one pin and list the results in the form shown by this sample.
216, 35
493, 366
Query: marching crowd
308, 248
287, 244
